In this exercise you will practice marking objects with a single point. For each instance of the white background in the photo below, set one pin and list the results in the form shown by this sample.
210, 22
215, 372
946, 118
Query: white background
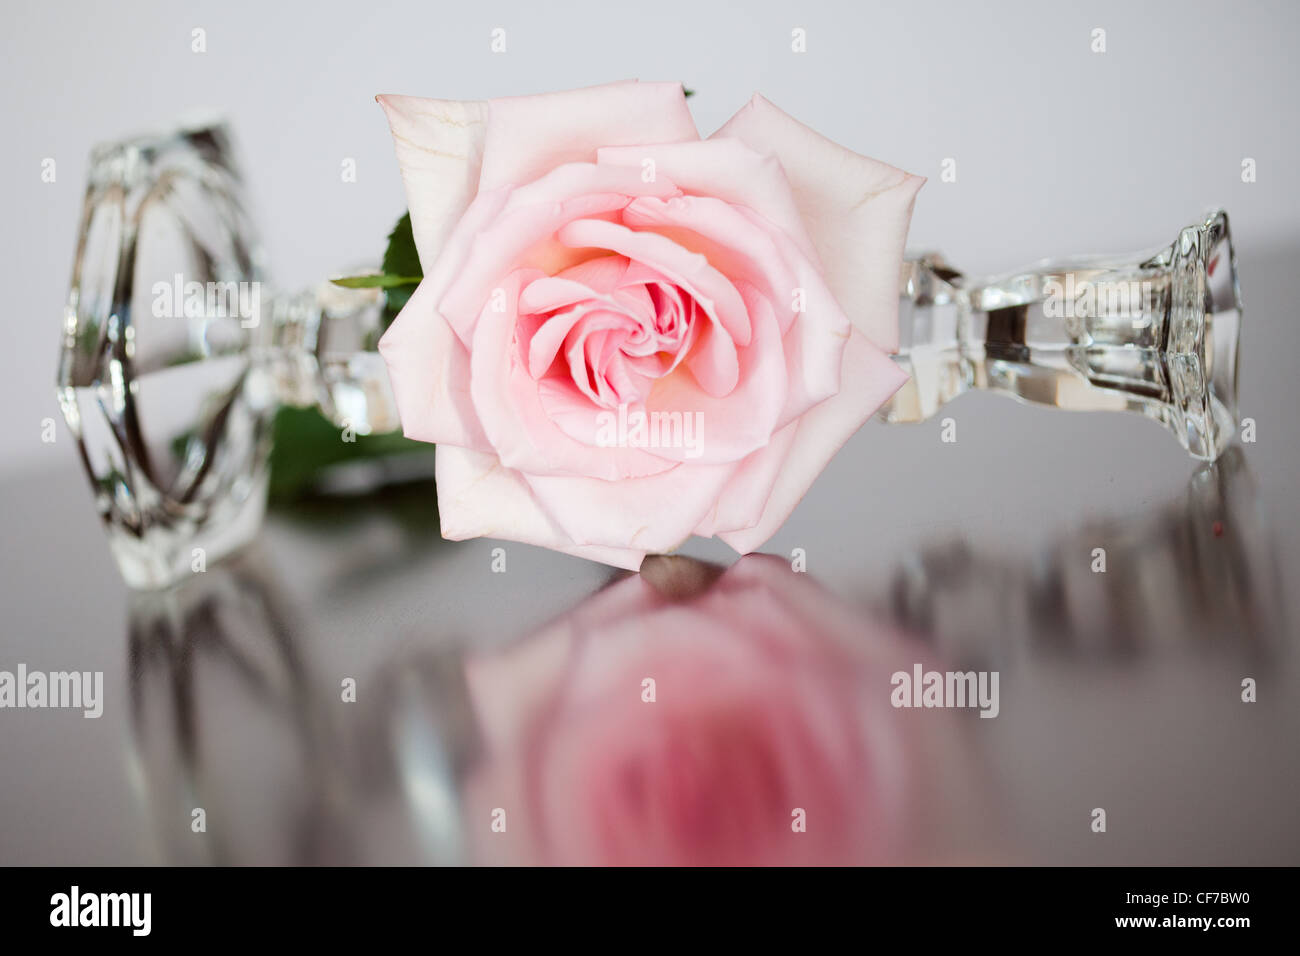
1059, 150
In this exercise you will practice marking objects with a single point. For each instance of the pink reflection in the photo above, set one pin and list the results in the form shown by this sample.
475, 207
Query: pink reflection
771, 708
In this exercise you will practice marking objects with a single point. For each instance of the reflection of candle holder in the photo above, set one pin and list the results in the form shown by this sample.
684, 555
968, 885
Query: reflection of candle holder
1202, 568
212, 661
422, 739
217, 673
173, 361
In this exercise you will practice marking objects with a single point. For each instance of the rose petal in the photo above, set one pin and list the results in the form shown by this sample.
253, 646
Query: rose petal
713, 358
734, 425
429, 372
506, 401
814, 338
479, 497
590, 279
742, 502
726, 169
439, 146
688, 269
869, 377
520, 234
501, 247
545, 343
589, 348
656, 513
530, 135
857, 211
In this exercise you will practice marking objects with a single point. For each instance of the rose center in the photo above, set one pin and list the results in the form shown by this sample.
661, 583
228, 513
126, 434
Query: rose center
612, 330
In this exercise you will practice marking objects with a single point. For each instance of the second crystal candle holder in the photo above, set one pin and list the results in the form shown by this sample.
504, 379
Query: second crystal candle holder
176, 355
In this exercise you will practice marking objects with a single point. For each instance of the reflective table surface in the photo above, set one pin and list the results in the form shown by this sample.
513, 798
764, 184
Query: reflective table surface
353, 689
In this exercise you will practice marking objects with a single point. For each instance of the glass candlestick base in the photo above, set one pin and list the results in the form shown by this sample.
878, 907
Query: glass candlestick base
1155, 333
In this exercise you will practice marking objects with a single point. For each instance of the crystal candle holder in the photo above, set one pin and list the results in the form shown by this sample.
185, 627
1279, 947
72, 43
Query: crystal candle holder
176, 354
1155, 332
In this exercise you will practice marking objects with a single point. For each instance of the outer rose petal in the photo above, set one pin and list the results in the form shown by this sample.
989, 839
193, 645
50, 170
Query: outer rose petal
725, 168
743, 500
531, 135
479, 497
439, 147
656, 513
429, 372
869, 377
857, 210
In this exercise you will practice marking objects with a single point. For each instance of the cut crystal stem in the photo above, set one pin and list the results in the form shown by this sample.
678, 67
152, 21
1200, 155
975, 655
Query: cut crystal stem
1154, 332
321, 348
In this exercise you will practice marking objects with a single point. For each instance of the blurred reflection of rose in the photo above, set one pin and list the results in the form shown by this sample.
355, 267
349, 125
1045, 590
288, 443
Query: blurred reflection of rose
771, 706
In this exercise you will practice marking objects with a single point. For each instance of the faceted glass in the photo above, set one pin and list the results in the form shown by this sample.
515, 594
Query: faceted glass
1155, 332
175, 355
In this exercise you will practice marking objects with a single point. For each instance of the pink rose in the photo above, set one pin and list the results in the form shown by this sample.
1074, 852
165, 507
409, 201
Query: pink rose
625, 334
770, 739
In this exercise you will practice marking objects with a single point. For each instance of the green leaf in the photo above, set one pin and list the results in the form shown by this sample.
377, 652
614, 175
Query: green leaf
400, 259
687, 92
376, 281
304, 442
